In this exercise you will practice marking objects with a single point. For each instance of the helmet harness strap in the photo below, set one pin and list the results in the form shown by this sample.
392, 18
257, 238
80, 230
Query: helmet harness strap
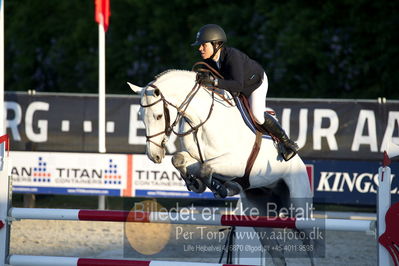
216, 48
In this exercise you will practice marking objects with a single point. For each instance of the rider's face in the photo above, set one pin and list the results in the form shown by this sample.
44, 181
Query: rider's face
206, 50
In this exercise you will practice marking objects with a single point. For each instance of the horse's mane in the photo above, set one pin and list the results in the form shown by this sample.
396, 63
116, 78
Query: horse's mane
167, 73
161, 76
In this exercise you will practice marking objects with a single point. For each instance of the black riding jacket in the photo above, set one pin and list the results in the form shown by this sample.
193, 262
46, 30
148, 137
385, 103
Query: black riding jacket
241, 73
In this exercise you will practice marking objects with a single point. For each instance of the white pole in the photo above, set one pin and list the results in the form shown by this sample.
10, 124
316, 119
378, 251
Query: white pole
101, 100
5, 201
101, 89
44, 214
24, 260
2, 118
383, 204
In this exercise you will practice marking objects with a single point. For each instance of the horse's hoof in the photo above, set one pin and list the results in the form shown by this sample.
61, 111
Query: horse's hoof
194, 185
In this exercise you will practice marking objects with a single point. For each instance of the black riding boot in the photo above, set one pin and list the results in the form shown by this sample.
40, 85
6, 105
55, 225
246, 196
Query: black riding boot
289, 148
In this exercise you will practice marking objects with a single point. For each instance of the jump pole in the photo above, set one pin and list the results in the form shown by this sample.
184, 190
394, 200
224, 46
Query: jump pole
191, 218
24, 260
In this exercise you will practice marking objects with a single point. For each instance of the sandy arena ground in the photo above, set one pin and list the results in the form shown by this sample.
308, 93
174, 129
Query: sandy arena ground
108, 239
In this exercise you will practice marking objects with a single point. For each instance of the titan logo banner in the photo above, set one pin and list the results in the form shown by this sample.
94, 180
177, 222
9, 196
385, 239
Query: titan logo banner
129, 175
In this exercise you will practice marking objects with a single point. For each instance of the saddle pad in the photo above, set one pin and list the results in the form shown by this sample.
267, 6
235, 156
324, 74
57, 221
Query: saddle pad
247, 118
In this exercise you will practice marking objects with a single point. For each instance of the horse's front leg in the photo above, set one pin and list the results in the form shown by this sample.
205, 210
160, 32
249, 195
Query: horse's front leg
218, 173
189, 169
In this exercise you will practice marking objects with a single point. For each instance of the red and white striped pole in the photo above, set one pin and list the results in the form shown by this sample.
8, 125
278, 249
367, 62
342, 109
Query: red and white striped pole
191, 218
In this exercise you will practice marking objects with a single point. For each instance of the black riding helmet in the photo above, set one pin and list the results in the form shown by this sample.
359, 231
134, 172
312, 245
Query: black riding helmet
211, 33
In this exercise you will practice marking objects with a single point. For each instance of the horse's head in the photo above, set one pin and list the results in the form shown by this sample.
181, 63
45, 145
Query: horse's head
155, 115
176, 89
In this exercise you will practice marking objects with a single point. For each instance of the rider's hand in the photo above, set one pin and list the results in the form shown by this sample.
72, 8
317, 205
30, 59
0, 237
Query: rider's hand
205, 79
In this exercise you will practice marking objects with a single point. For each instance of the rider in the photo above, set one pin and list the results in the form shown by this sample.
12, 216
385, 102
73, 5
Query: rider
241, 75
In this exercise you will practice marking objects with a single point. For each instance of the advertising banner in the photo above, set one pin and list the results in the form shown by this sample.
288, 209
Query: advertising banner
324, 129
129, 175
160, 180
124, 175
69, 173
349, 182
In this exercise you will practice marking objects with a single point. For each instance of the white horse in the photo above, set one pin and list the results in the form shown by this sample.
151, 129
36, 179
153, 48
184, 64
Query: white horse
216, 144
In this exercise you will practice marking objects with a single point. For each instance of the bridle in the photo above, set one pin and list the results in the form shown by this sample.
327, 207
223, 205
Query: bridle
181, 110
168, 128
181, 113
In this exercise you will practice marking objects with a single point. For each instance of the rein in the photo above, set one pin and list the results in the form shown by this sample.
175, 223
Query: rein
196, 67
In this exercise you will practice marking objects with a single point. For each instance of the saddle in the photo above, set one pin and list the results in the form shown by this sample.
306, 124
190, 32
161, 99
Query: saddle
240, 100
249, 119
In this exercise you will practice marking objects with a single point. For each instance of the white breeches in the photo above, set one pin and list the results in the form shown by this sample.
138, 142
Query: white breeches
257, 101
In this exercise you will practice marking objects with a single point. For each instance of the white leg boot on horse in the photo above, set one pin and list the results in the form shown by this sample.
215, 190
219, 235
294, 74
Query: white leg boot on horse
287, 147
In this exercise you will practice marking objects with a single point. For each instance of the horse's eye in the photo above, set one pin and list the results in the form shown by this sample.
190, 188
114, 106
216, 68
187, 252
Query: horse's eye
158, 117
156, 92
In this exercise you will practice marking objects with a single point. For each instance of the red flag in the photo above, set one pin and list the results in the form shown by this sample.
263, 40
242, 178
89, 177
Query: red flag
102, 13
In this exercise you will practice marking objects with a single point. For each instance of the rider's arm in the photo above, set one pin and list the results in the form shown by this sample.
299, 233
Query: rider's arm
233, 70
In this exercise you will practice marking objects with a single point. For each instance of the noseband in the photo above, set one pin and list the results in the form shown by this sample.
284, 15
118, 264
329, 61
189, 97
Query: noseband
168, 127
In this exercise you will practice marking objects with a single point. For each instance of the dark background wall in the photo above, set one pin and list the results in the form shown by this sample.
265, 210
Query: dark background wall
315, 49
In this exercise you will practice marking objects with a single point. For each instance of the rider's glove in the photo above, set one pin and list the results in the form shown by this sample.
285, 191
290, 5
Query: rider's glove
206, 79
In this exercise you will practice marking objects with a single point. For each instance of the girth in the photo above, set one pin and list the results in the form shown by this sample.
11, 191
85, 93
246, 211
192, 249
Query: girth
244, 180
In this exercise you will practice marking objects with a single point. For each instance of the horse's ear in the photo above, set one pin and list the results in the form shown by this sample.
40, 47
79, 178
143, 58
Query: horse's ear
135, 88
